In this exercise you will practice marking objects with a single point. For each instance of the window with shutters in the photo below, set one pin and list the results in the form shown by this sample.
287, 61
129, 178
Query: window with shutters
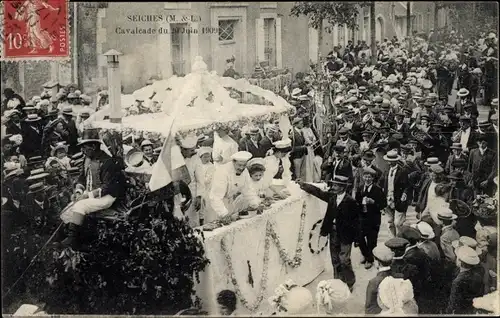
226, 30
270, 41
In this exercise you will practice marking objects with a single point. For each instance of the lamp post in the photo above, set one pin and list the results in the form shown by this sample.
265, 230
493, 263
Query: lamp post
114, 86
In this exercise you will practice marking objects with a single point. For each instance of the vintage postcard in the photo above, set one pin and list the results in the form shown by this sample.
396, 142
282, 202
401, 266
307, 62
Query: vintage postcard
249, 158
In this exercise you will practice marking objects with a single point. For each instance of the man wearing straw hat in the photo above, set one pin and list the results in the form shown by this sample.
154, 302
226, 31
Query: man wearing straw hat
341, 223
99, 185
397, 188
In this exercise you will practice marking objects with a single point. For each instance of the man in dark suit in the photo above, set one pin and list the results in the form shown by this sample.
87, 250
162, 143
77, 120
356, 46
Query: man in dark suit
383, 255
252, 144
299, 149
271, 135
32, 136
341, 222
70, 125
467, 285
462, 192
337, 164
373, 201
13, 126
483, 166
395, 184
465, 135
422, 277
401, 127
485, 127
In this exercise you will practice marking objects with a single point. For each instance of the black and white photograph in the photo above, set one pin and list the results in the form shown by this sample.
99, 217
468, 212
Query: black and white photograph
330, 158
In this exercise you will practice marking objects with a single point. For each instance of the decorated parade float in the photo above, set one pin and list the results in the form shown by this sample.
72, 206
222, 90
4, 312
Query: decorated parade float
250, 255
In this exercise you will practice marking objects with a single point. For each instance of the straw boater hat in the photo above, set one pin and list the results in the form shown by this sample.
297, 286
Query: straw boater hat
37, 187
340, 180
467, 255
392, 156
67, 110
37, 174
32, 118
446, 214
59, 145
10, 169
134, 158
432, 161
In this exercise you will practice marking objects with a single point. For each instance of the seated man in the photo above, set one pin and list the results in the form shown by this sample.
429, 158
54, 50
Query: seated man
231, 190
101, 182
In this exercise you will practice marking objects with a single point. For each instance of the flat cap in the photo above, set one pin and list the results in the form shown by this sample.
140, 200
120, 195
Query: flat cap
396, 243
383, 253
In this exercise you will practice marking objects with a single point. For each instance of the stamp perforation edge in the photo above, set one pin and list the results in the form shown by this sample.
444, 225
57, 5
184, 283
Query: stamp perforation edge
37, 58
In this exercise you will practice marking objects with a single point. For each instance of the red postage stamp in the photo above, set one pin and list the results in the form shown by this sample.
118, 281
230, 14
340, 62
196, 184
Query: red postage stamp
35, 30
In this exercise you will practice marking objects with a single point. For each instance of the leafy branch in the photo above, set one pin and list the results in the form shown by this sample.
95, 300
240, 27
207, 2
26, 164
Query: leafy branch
335, 13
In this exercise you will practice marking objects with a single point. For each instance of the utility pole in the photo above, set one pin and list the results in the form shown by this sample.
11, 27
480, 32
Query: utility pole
408, 25
373, 45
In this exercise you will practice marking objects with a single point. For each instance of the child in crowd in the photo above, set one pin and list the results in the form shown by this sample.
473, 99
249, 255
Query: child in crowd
256, 169
204, 174
60, 152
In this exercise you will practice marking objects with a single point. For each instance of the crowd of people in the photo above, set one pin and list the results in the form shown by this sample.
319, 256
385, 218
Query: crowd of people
382, 135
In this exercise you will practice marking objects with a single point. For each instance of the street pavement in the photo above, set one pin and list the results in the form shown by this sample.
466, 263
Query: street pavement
356, 304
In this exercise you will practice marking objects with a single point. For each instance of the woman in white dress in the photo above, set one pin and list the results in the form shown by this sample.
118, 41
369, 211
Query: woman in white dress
224, 146
203, 175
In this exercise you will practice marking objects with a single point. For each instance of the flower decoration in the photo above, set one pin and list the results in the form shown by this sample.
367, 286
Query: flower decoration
276, 300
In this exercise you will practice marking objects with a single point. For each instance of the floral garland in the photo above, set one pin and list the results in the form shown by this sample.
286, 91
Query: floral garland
311, 249
296, 260
279, 293
263, 280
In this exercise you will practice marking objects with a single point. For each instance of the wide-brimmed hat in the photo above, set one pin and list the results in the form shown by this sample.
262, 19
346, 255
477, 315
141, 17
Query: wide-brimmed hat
37, 174
446, 214
37, 187
134, 158
67, 110
90, 135
432, 161
337, 179
32, 118
368, 155
463, 92
392, 156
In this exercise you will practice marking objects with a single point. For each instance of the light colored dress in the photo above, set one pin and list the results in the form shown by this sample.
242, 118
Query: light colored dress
204, 174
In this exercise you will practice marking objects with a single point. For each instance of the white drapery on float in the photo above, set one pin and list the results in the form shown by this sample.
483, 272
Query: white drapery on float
251, 256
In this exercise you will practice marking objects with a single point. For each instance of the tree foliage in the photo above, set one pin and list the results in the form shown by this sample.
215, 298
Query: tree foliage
341, 13
144, 266
467, 17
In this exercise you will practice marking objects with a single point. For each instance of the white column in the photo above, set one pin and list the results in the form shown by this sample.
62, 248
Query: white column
313, 45
114, 90
279, 49
259, 40
164, 52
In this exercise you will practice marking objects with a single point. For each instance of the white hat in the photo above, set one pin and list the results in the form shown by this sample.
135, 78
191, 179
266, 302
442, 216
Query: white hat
383, 253
426, 231
463, 92
256, 161
189, 142
332, 293
392, 155
241, 156
446, 214
464, 241
203, 150
393, 293
282, 144
146, 142
467, 255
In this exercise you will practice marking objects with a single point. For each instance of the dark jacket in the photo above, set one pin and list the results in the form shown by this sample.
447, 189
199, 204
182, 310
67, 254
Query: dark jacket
344, 168
11, 128
371, 304
111, 175
266, 144
257, 151
465, 287
482, 167
345, 215
420, 279
32, 140
72, 135
401, 185
372, 214
298, 145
